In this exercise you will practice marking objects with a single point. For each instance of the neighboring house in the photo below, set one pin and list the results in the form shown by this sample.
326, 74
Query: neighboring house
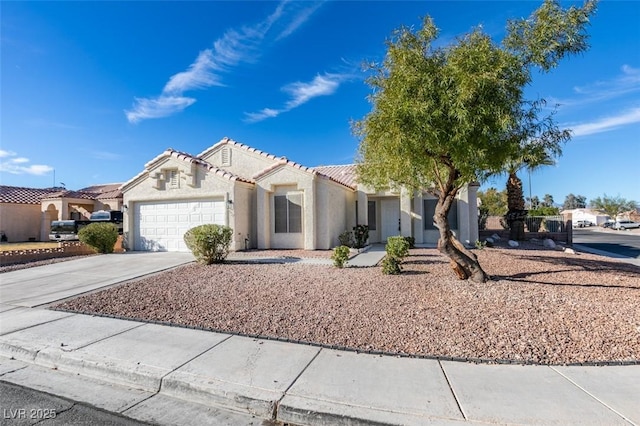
272, 202
590, 215
26, 213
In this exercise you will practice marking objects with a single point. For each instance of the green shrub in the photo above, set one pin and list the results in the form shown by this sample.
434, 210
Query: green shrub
480, 244
340, 256
397, 249
100, 236
411, 241
361, 235
346, 239
209, 243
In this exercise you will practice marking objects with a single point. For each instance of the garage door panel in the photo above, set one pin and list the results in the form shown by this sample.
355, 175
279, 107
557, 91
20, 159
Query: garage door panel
160, 226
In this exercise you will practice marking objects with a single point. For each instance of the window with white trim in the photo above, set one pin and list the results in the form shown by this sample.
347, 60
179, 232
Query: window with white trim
288, 213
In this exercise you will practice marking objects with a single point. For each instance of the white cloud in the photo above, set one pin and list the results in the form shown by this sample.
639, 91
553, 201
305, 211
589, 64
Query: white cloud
198, 76
300, 18
623, 84
234, 47
301, 93
17, 165
162, 106
253, 117
321, 85
607, 123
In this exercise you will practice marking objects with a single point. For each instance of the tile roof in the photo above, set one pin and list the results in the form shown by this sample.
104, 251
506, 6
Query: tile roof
105, 191
21, 195
336, 177
344, 174
70, 194
183, 156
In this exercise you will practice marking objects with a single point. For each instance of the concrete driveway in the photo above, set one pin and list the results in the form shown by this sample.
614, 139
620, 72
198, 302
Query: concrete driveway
49, 283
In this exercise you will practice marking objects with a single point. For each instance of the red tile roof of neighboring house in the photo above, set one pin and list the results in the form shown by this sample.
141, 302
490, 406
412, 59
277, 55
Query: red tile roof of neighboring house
71, 194
21, 195
105, 191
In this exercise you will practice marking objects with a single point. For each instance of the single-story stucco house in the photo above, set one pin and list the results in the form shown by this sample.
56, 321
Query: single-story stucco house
273, 203
590, 215
26, 213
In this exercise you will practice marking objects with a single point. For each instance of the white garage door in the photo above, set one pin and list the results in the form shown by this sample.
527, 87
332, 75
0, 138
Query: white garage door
160, 225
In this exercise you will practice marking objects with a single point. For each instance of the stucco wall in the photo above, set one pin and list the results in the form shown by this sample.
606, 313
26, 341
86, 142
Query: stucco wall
241, 215
243, 162
333, 210
208, 185
281, 180
20, 221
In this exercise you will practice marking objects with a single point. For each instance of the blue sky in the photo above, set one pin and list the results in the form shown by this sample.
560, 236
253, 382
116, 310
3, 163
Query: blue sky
91, 91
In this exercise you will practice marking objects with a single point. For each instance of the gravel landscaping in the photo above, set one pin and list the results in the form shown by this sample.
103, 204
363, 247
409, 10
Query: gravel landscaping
542, 306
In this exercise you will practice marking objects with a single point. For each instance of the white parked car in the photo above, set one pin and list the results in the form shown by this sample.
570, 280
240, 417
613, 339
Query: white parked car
626, 224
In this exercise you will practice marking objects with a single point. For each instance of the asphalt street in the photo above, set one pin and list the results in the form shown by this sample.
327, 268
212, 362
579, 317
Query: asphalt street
25, 406
624, 243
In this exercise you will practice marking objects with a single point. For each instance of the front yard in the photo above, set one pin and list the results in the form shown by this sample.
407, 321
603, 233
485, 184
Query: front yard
543, 306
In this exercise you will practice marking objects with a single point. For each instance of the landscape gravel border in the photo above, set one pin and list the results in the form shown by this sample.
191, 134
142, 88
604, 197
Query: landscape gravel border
604, 331
356, 350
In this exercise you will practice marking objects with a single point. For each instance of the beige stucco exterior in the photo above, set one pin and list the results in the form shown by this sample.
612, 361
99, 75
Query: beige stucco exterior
20, 222
26, 213
249, 181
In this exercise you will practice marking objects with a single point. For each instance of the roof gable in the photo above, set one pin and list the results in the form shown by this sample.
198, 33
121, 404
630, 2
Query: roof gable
189, 161
344, 175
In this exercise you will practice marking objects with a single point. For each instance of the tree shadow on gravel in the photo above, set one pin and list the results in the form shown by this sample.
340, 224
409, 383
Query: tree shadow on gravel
575, 265
588, 264
524, 281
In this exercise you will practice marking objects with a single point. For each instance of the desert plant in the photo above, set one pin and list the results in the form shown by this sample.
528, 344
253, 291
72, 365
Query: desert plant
480, 244
411, 241
209, 243
346, 239
361, 235
397, 248
100, 236
340, 256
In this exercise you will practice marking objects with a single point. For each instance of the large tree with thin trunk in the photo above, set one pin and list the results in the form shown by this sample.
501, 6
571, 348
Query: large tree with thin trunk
444, 117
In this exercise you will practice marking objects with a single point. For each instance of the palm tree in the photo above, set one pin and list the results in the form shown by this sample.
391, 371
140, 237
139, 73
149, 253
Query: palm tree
531, 157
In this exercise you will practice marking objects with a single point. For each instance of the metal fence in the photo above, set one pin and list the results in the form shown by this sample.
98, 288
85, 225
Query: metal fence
545, 224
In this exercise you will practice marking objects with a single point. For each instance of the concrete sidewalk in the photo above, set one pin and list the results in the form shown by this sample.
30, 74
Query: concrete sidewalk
300, 384
169, 375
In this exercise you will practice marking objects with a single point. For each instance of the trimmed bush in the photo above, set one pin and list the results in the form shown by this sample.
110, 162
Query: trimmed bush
340, 256
361, 235
397, 248
346, 239
99, 236
411, 241
209, 243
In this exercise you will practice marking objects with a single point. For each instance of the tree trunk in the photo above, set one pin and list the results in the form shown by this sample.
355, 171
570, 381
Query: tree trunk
463, 262
515, 202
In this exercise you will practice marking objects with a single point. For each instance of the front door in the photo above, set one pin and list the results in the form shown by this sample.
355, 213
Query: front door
390, 218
